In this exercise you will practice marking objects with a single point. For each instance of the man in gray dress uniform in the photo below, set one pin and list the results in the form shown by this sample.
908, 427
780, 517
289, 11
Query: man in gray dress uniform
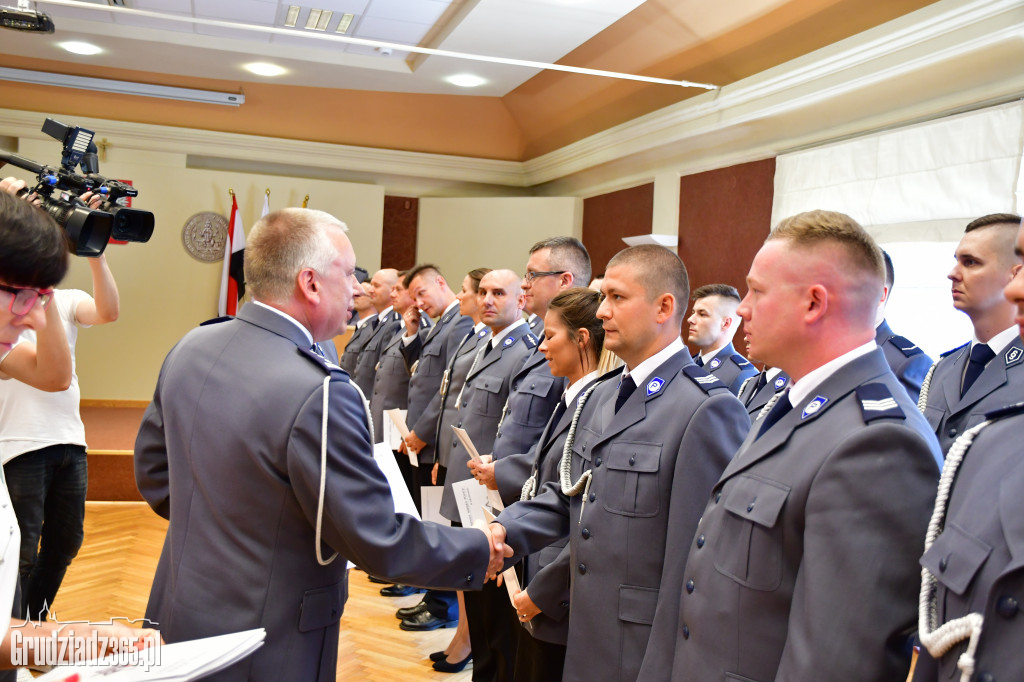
264, 514
909, 363
988, 372
756, 391
973, 570
804, 564
712, 325
387, 325
648, 445
365, 326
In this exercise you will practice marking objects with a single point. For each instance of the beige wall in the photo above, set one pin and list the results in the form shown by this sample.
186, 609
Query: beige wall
164, 291
461, 234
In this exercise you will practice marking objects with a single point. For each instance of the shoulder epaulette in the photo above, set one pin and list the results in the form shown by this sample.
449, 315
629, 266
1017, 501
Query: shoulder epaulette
1007, 411
877, 402
905, 345
739, 360
216, 320
700, 377
953, 350
530, 340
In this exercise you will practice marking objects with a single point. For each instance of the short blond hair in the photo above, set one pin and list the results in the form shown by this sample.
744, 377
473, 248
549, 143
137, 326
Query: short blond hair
821, 228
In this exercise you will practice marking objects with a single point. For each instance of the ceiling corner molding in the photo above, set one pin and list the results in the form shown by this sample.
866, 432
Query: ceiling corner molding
185, 141
929, 37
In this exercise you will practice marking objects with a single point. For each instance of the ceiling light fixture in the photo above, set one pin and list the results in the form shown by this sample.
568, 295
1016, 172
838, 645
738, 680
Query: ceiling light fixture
292, 17
265, 69
78, 47
345, 22
380, 43
314, 16
121, 87
466, 80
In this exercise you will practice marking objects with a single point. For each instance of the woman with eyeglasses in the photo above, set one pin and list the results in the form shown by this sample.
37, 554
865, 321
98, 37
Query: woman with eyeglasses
572, 344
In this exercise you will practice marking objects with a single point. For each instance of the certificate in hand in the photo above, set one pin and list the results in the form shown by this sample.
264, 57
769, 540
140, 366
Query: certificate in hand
398, 419
492, 495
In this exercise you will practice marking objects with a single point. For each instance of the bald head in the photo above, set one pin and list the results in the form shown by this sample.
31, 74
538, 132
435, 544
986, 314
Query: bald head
380, 287
501, 299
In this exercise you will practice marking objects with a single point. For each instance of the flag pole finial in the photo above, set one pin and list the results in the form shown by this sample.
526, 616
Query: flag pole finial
268, 191
231, 191
305, 202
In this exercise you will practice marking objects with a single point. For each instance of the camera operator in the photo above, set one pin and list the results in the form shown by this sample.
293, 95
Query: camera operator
33, 258
42, 439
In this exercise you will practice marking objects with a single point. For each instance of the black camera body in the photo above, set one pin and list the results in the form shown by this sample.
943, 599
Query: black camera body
60, 188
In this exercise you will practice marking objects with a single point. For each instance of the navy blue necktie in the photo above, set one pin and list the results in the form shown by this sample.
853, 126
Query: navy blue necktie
779, 410
626, 388
318, 350
980, 355
762, 381
699, 360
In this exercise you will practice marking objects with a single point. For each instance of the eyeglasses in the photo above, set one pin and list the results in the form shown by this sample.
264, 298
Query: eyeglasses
23, 299
531, 276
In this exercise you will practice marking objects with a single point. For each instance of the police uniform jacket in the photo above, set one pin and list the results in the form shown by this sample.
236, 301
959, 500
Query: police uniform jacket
1001, 383
908, 362
458, 368
653, 463
804, 564
483, 399
754, 398
428, 354
355, 344
240, 483
978, 559
366, 362
731, 368
533, 397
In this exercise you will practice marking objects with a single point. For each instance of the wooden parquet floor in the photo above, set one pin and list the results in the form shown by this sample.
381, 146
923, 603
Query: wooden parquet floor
114, 569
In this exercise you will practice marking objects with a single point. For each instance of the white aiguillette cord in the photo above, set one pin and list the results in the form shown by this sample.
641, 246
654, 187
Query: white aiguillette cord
939, 640
565, 466
323, 462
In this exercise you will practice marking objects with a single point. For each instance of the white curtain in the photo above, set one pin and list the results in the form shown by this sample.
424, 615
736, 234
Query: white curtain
959, 167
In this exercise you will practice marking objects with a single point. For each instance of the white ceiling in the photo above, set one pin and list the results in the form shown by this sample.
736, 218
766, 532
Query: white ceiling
147, 37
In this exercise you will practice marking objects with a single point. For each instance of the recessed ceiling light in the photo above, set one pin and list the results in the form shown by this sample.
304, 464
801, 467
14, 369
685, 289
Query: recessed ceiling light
81, 48
265, 69
292, 17
313, 18
345, 22
466, 80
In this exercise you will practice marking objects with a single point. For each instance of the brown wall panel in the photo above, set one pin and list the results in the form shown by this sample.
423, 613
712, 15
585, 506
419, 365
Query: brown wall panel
608, 218
398, 246
724, 216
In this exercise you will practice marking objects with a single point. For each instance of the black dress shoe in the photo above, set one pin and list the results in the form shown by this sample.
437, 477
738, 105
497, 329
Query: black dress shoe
374, 579
425, 621
446, 666
407, 612
400, 590
438, 656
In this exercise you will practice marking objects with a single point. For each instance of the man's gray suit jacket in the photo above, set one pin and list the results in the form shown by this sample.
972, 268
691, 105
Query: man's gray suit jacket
457, 370
978, 559
350, 356
1001, 383
731, 368
533, 397
483, 399
909, 363
653, 463
390, 385
804, 565
230, 452
429, 354
366, 363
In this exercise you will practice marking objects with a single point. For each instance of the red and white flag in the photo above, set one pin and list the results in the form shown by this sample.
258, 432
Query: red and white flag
232, 283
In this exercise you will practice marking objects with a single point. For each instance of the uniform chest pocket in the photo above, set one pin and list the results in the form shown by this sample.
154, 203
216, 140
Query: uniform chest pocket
429, 364
631, 478
955, 558
532, 407
489, 399
749, 543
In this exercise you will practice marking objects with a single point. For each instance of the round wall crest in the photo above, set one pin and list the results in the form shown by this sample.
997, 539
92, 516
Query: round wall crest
204, 235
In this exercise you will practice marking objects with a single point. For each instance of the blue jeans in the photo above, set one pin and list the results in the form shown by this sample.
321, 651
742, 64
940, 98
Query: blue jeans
47, 489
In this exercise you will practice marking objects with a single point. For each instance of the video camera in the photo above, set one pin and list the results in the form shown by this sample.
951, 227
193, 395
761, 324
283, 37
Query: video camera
60, 187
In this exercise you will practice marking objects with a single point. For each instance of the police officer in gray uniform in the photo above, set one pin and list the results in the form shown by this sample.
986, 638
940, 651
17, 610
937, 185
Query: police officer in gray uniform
480, 407
970, 625
909, 363
388, 322
555, 265
804, 564
712, 326
647, 446
756, 391
987, 373
365, 325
